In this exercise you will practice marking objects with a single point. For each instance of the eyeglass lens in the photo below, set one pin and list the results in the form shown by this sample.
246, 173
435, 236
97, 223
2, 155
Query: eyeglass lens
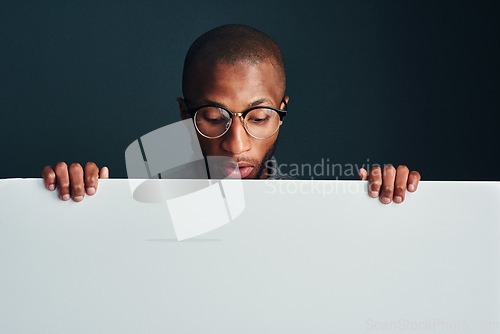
260, 123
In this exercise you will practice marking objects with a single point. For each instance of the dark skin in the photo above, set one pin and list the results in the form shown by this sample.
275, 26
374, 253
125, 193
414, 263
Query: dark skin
237, 87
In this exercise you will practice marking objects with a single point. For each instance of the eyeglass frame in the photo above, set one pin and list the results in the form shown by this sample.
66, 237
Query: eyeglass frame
193, 111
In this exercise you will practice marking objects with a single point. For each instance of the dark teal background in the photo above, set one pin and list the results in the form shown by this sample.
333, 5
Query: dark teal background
390, 81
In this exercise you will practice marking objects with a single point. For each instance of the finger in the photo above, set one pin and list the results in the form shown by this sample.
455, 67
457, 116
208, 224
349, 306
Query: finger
388, 178
62, 179
363, 174
104, 173
49, 177
400, 186
374, 181
413, 181
91, 176
77, 184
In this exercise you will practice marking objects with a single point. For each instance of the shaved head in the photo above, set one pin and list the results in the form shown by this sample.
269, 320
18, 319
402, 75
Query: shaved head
232, 44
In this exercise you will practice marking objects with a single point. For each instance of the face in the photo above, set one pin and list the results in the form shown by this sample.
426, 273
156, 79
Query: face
237, 87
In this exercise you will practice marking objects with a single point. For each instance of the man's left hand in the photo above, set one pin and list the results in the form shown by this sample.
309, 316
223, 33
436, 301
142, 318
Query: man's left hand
391, 184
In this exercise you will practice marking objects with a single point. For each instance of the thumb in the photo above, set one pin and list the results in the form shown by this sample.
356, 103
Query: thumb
104, 174
363, 174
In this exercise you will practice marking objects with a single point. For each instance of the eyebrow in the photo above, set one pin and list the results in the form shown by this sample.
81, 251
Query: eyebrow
261, 101
253, 104
208, 102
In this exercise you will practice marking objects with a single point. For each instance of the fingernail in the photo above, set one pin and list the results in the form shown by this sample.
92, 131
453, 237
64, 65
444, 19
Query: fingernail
65, 197
411, 187
78, 198
91, 191
52, 187
374, 193
398, 199
385, 200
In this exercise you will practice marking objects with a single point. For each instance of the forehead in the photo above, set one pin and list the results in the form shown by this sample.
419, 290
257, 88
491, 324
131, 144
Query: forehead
234, 84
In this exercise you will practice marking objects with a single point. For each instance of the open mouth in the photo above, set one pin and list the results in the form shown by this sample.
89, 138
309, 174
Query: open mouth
241, 170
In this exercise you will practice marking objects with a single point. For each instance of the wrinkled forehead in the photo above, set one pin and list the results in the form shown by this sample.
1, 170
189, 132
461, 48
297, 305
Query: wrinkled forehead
231, 80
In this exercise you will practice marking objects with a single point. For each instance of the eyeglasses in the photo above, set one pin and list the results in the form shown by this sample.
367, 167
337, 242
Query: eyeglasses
213, 120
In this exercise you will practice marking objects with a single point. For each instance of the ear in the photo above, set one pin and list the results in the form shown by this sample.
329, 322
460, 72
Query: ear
182, 108
282, 105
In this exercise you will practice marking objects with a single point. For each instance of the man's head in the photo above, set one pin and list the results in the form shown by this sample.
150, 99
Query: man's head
237, 67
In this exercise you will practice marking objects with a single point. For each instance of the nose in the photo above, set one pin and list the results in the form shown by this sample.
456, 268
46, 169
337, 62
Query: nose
236, 140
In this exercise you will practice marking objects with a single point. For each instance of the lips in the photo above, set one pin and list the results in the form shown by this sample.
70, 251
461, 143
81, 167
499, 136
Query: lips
240, 170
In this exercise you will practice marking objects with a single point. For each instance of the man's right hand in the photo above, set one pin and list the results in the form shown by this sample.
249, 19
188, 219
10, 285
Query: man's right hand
73, 181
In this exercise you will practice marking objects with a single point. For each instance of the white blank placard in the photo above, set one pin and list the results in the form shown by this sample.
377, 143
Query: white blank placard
303, 257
